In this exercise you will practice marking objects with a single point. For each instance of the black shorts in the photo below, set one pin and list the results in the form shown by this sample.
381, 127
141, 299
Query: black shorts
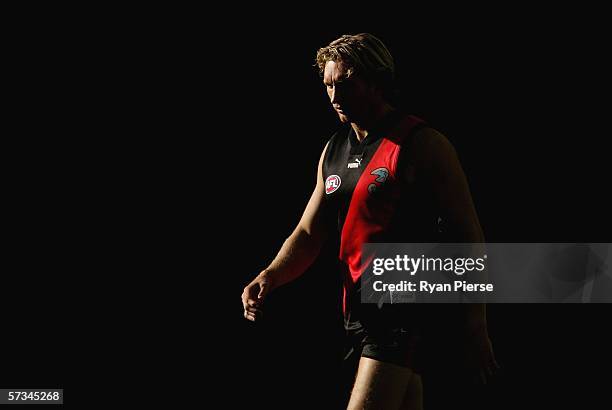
391, 335
423, 337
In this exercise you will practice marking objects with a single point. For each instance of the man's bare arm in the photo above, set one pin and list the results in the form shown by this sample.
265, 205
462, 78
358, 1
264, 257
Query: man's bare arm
298, 252
303, 246
440, 164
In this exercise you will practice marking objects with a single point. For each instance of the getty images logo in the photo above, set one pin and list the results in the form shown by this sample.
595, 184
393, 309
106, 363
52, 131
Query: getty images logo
332, 183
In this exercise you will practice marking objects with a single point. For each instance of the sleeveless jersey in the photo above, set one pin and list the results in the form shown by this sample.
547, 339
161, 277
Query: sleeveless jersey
373, 203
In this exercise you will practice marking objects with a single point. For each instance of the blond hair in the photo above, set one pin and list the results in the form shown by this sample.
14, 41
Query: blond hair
361, 54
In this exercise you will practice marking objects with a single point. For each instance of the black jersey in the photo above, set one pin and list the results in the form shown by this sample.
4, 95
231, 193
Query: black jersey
372, 202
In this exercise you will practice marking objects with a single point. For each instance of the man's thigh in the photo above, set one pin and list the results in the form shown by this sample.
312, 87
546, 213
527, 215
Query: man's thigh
381, 385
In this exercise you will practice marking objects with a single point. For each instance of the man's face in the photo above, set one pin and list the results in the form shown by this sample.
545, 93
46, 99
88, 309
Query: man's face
351, 97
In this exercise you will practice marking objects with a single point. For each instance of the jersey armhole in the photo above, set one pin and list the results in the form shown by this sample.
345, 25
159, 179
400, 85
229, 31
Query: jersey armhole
406, 143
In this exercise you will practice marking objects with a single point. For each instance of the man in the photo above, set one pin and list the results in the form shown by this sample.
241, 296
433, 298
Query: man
384, 177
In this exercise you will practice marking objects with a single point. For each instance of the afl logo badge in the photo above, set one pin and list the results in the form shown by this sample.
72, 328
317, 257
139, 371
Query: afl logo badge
332, 183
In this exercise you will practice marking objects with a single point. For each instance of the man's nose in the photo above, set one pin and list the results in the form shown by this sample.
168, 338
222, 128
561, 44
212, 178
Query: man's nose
334, 96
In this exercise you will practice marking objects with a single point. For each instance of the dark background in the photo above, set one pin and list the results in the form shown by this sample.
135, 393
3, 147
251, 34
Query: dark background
163, 156
519, 96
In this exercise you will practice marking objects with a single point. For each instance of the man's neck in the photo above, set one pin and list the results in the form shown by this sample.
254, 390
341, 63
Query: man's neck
363, 127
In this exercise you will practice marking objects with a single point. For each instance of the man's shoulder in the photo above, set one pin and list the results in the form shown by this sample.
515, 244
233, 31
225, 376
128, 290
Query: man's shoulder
404, 128
428, 139
425, 145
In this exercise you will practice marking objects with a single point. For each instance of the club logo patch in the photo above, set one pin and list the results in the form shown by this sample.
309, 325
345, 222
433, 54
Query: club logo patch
332, 183
381, 176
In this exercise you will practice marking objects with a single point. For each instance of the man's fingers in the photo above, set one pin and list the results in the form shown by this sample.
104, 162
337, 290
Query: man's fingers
252, 309
252, 299
248, 299
491, 365
263, 289
483, 377
493, 369
253, 315
495, 364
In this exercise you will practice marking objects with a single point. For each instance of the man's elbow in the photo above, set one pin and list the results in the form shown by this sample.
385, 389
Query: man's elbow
312, 234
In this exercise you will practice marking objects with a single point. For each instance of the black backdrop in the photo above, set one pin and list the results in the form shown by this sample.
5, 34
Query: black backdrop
516, 95
202, 131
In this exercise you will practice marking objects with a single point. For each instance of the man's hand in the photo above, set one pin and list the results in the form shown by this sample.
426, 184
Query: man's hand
480, 354
254, 294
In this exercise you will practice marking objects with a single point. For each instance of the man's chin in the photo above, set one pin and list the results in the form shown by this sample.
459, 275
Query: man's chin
343, 118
